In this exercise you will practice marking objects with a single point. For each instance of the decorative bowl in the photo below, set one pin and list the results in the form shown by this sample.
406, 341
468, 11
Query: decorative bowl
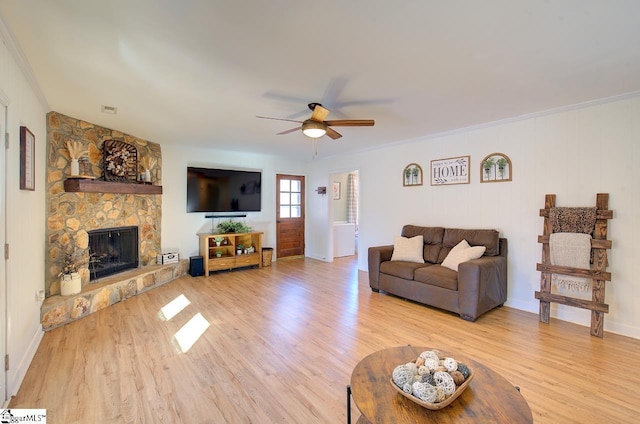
439, 405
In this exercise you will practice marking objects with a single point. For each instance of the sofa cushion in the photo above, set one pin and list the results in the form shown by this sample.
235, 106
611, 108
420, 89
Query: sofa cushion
408, 249
400, 269
437, 275
462, 252
453, 236
432, 240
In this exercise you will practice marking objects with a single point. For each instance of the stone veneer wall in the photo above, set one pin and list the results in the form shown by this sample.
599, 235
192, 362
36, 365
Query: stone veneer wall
71, 215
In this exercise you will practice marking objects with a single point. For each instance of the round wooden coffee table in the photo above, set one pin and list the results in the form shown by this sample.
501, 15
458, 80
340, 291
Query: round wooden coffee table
488, 398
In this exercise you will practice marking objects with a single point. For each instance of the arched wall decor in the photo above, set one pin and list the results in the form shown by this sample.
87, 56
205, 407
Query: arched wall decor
412, 175
496, 168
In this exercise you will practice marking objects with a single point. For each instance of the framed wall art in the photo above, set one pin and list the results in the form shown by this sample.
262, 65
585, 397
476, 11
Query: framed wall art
412, 175
495, 168
336, 190
450, 171
27, 159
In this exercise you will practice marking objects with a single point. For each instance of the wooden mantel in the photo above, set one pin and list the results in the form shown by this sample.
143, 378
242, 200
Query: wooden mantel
99, 186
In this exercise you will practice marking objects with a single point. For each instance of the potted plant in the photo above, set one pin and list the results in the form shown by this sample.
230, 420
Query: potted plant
218, 253
70, 280
502, 164
218, 240
487, 164
233, 227
407, 175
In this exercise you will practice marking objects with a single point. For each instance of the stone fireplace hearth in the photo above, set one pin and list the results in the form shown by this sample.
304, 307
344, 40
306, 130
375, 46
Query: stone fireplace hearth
72, 215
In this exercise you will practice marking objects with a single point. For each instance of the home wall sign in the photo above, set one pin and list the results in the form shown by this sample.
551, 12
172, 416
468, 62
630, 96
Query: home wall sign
412, 175
495, 168
450, 171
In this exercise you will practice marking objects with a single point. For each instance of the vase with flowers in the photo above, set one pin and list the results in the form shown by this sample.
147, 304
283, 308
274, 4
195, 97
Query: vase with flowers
70, 281
70, 263
76, 151
147, 163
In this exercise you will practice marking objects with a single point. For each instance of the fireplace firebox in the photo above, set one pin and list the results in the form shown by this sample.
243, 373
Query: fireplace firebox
112, 250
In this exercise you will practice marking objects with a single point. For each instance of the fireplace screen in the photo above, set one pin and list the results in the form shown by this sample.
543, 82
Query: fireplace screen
112, 250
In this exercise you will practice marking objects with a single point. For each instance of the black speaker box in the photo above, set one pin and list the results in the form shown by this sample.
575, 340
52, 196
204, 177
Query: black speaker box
196, 266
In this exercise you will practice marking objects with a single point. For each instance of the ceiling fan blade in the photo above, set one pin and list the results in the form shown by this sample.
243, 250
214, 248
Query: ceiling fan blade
289, 131
350, 123
319, 113
333, 133
278, 119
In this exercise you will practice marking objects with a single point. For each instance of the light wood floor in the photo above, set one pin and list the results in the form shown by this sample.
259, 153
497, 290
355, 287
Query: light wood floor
281, 345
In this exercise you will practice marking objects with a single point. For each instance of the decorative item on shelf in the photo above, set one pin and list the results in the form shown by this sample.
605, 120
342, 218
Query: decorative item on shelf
412, 175
239, 249
218, 240
120, 161
495, 168
218, 253
233, 227
85, 167
76, 151
168, 257
147, 163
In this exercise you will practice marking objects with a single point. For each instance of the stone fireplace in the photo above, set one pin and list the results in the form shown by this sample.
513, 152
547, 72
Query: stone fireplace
71, 216
88, 216
112, 250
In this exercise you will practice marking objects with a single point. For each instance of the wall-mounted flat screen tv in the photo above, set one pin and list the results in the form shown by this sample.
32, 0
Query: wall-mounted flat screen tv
223, 190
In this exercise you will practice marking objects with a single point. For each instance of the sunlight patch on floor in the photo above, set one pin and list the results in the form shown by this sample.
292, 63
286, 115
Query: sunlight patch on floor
191, 332
173, 308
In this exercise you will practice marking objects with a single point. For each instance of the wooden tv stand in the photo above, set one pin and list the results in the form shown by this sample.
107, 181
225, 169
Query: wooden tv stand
230, 258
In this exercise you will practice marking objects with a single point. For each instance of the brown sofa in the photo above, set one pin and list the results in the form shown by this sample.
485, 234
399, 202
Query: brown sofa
478, 286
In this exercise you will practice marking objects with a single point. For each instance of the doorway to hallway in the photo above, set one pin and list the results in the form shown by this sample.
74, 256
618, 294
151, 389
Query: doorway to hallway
345, 213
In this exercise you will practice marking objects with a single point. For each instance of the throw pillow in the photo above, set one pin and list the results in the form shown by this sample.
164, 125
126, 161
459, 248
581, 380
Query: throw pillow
408, 249
462, 252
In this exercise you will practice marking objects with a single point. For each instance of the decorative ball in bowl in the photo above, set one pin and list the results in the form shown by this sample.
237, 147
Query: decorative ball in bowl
431, 381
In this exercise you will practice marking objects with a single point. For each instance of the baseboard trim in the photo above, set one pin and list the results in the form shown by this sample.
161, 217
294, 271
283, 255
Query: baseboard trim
14, 380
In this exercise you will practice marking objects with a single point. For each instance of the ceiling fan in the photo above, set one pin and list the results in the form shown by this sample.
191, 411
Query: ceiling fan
316, 126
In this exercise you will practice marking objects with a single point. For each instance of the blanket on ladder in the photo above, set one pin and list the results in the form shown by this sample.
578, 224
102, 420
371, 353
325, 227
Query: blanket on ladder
574, 250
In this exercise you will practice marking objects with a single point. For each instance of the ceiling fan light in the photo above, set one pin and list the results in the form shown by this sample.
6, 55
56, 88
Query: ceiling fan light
314, 129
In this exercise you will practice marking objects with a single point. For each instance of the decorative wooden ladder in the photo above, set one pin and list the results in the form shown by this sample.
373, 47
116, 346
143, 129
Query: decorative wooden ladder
598, 273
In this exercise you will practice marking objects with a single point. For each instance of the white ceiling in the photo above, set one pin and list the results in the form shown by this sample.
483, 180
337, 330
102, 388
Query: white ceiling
197, 72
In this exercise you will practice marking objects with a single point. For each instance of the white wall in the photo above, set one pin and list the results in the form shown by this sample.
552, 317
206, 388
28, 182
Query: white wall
572, 153
24, 217
179, 228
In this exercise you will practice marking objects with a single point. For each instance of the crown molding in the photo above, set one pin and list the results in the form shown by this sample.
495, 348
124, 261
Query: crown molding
23, 63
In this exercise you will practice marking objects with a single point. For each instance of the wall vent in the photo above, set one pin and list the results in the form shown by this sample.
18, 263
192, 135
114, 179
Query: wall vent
109, 109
